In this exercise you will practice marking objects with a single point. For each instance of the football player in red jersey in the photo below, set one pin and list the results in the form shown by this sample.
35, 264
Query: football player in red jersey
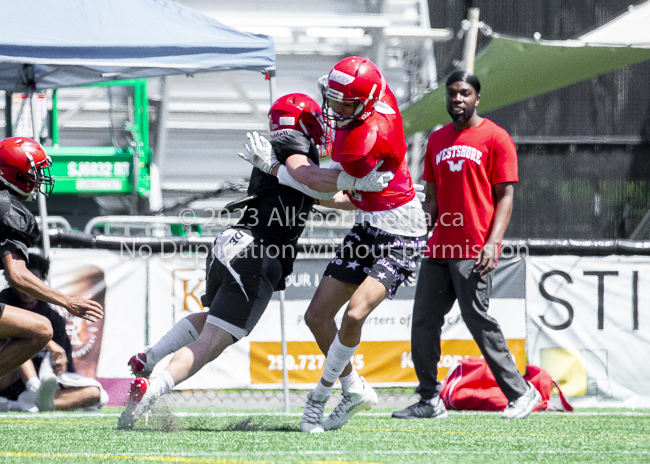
24, 171
250, 260
385, 245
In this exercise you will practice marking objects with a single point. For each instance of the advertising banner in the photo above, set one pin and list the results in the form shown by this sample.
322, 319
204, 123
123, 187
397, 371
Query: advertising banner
586, 321
145, 294
102, 348
176, 283
384, 355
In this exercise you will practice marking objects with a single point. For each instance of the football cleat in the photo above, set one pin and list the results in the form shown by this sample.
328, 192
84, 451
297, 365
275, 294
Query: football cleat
128, 417
423, 409
524, 405
312, 417
141, 364
352, 403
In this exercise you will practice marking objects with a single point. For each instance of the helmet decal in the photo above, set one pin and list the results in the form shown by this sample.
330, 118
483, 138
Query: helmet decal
287, 121
341, 77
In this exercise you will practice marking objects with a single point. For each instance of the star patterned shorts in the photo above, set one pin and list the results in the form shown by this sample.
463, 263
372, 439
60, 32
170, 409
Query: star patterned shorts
367, 251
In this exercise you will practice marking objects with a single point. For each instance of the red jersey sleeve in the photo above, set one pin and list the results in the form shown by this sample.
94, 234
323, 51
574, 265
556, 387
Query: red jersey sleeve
504, 152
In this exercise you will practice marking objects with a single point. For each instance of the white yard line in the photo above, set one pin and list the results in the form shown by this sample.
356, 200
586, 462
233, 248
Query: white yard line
217, 454
557, 414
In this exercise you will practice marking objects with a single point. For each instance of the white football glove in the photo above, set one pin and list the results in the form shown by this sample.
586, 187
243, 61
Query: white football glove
259, 153
374, 181
419, 192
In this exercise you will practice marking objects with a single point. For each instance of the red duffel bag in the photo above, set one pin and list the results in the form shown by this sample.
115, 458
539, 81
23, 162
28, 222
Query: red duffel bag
470, 385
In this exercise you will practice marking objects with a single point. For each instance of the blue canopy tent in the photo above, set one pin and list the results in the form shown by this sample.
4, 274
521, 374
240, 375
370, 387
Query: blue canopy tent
50, 45
47, 45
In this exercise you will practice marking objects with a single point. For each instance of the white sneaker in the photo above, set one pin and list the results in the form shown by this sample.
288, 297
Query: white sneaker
352, 403
25, 402
7, 405
524, 405
312, 416
45, 395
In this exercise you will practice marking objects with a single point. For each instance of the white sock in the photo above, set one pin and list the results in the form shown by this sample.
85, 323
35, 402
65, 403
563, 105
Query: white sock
182, 334
351, 382
320, 388
338, 356
33, 384
162, 383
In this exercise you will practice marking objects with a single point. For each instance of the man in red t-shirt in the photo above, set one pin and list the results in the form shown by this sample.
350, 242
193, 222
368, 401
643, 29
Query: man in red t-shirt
470, 170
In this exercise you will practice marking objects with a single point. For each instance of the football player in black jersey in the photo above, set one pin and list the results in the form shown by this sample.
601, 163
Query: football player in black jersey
24, 172
249, 261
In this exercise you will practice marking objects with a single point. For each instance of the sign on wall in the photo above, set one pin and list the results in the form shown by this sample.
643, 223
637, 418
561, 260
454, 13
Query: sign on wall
384, 354
144, 296
588, 326
585, 323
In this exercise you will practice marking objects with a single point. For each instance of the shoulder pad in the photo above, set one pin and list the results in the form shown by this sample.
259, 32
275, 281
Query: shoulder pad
355, 143
290, 144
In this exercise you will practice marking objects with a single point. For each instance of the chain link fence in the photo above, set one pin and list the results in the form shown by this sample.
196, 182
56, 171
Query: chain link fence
389, 397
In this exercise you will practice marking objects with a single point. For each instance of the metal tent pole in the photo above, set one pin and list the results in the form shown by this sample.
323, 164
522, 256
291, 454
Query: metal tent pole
42, 207
273, 91
469, 49
156, 195
285, 372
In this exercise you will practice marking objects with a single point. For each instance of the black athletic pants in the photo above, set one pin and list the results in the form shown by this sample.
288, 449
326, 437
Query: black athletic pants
440, 283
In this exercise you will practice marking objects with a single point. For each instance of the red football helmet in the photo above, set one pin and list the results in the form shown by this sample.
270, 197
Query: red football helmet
25, 167
353, 79
299, 112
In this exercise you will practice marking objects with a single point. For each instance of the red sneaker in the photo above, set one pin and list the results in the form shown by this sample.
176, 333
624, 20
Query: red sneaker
138, 389
128, 419
141, 365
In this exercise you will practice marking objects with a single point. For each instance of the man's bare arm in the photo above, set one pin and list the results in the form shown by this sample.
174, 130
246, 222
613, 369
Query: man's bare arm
21, 278
58, 357
430, 205
487, 258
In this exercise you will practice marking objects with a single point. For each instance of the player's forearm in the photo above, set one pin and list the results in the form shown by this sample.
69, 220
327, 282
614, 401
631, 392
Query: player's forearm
339, 201
287, 179
430, 205
28, 283
321, 180
52, 346
42, 292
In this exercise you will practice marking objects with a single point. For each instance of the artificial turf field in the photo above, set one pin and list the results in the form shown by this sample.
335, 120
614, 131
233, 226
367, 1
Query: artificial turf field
210, 437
